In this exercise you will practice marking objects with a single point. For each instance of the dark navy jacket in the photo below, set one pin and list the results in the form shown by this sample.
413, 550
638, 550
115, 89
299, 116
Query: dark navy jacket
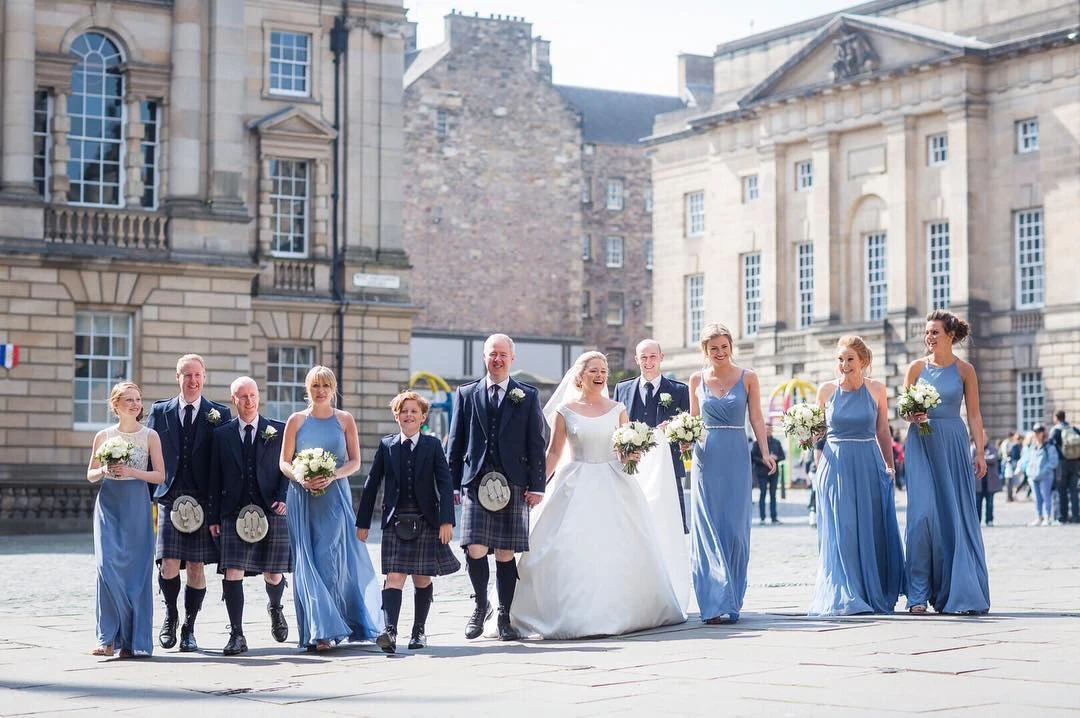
432, 486
228, 490
165, 420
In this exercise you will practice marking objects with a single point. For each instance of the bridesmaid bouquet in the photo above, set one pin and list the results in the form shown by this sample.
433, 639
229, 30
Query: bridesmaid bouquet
313, 464
802, 422
114, 451
919, 398
685, 429
635, 437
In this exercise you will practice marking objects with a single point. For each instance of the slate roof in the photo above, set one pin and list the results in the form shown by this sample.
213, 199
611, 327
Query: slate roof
616, 118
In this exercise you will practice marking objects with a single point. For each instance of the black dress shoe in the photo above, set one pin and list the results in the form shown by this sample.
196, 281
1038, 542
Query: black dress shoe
167, 637
506, 631
387, 640
187, 639
279, 627
418, 639
237, 644
475, 626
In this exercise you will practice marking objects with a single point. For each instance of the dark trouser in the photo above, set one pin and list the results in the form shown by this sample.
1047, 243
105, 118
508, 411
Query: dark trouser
986, 497
1068, 491
767, 482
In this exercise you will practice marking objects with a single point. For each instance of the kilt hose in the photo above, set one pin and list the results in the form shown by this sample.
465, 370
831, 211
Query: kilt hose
271, 555
507, 529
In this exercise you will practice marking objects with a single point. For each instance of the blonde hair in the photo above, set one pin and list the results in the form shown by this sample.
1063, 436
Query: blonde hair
320, 373
118, 391
190, 357
711, 331
399, 401
857, 345
583, 361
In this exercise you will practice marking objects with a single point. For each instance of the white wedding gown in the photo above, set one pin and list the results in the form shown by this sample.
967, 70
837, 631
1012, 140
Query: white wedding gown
598, 558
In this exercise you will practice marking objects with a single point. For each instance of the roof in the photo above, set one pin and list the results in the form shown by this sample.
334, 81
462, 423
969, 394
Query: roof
616, 118
910, 29
423, 61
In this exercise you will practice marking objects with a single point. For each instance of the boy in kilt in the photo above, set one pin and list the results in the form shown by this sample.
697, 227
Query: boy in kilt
417, 516
496, 452
247, 489
185, 424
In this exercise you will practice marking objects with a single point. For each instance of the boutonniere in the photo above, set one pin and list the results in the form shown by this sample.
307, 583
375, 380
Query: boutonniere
665, 400
516, 395
213, 416
268, 433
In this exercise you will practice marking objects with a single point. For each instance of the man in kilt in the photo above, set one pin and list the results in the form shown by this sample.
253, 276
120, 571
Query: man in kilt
417, 516
496, 439
185, 424
245, 473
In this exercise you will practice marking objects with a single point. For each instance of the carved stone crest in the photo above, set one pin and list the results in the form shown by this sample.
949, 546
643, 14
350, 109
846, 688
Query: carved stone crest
852, 56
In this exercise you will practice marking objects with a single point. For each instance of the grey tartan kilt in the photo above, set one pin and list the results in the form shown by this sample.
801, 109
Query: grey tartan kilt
271, 555
424, 556
197, 547
507, 529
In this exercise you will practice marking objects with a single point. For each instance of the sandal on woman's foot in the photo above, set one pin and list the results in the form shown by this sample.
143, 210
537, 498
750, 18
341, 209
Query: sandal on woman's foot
322, 646
919, 610
105, 651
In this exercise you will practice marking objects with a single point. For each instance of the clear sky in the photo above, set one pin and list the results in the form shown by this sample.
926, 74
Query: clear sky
626, 44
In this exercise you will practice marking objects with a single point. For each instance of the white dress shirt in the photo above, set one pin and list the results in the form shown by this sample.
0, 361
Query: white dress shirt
194, 412
502, 389
415, 439
254, 428
643, 388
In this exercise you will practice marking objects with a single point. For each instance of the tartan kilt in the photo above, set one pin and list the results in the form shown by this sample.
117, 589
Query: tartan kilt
426, 555
507, 529
197, 547
271, 555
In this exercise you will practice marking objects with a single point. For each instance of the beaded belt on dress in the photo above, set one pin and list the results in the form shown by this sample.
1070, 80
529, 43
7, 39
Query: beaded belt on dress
710, 427
835, 438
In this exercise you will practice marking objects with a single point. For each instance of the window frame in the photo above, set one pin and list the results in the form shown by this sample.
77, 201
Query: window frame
586, 304
615, 300
751, 293
442, 123
937, 153
46, 155
876, 278
694, 203
309, 84
1037, 277
750, 189
90, 357
274, 214
695, 306
586, 248
804, 284
1027, 135
938, 264
155, 147
804, 175
614, 198
649, 254
610, 259
300, 369
83, 119
1030, 393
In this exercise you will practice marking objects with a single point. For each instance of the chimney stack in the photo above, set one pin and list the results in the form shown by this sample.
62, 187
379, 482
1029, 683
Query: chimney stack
541, 57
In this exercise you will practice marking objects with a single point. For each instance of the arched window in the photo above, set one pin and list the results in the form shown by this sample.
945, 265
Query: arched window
96, 109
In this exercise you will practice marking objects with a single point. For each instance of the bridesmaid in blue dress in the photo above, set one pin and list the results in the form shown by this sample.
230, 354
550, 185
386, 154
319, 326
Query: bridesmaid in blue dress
946, 560
861, 560
721, 394
335, 590
123, 531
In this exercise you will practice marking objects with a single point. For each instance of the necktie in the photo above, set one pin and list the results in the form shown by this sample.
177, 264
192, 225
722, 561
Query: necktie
650, 405
407, 445
248, 438
188, 410
494, 397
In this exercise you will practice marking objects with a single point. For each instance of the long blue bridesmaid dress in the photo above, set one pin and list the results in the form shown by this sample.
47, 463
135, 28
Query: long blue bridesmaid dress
124, 554
335, 590
860, 557
720, 544
946, 561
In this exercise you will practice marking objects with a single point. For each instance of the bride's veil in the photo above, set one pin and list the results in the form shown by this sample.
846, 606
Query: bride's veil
564, 393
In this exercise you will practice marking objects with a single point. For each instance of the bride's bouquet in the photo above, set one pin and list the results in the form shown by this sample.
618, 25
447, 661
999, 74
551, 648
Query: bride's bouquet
685, 429
312, 464
802, 422
919, 398
114, 451
634, 437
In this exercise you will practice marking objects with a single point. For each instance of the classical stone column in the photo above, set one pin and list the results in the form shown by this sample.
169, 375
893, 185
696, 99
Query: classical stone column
903, 233
186, 105
823, 223
59, 183
963, 185
228, 63
768, 223
17, 166
133, 190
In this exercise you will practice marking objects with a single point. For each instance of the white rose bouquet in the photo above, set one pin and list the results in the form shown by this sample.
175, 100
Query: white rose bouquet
313, 464
635, 437
685, 429
802, 422
919, 398
114, 451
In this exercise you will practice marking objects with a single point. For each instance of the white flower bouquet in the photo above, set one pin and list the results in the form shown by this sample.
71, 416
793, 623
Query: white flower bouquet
312, 464
919, 398
802, 422
114, 451
685, 429
631, 438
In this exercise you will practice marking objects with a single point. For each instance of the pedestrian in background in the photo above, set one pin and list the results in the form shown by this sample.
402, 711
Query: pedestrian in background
1066, 439
765, 480
1040, 466
990, 483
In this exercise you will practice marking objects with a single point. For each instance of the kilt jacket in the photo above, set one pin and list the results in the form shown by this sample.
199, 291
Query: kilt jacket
228, 492
521, 436
165, 420
432, 486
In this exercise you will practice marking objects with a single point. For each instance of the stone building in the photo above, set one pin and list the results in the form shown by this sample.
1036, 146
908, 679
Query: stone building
525, 203
852, 172
169, 184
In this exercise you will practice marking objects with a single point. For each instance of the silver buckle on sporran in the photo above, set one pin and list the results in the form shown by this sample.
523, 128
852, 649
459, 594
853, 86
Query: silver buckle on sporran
251, 524
186, 514
494, 491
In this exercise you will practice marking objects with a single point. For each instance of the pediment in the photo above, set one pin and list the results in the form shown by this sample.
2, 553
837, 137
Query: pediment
851, 48
293, 122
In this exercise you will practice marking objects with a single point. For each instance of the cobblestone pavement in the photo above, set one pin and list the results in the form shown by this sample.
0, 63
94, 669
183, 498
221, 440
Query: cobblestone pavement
1022, 659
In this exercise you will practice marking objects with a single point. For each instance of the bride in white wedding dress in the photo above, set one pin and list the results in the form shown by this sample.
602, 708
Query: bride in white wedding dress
598, 564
